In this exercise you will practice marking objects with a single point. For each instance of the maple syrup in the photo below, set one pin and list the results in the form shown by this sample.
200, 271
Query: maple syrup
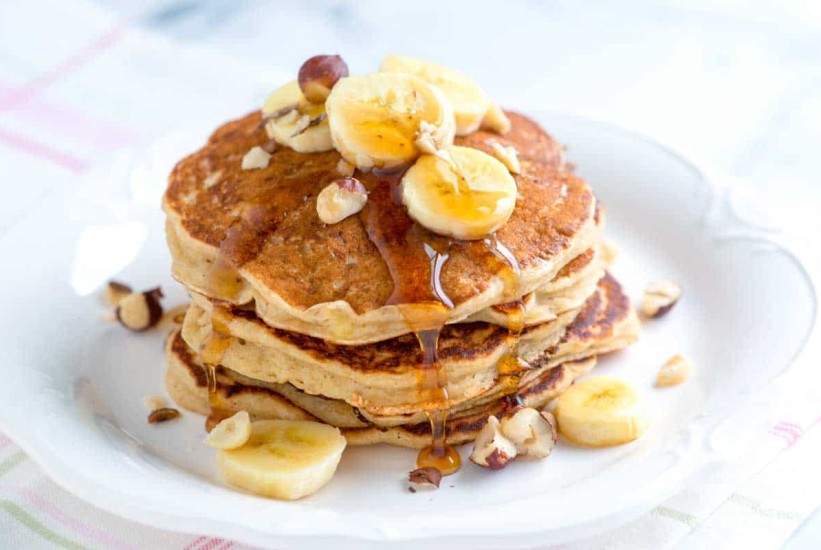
415, 258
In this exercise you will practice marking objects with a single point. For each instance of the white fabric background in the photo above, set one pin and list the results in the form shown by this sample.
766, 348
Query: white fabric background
734, 84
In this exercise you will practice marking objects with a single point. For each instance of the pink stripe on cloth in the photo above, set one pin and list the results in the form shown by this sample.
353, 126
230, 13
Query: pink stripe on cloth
19, 96
4, 442
194, 543
73, 124
90, 533
43, 151
788, 435
212, 544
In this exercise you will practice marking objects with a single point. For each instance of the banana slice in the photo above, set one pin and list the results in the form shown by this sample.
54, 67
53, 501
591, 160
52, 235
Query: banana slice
284, 459
468, 100
295, 122
375, 119
460, 192
601, 411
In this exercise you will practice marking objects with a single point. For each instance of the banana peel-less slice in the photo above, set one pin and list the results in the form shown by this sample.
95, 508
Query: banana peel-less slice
295, 122
601, 411
460, 192
469, 102
375, 119
284, 459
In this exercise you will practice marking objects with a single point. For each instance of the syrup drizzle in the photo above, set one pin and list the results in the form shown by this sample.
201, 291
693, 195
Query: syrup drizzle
415, 259
242, 243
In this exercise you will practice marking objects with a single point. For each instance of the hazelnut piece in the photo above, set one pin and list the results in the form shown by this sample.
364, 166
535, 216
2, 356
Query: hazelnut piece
496, 120
231, 433
507, 156
319, 74
533, 433
674, 371
255, 158
424, 478
659, 298
115, 291
163, 415
492, 449
345, 168
341, 198
140, 311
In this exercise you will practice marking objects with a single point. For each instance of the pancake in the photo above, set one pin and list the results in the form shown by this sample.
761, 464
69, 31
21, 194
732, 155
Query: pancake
187, 385
380, 380
334, 281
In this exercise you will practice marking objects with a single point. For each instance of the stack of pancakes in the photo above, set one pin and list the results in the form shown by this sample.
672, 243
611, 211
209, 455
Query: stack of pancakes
299, 318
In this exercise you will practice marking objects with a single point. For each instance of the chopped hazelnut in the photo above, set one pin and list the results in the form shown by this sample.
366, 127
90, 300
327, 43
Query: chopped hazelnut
424, 478
140, 311
533, 433
507, 156
425, 140
340, 199
496, 120
270, 146
659, 298
163, 415
345, 168
674, 371
115, 291
255, 158
492, 449
319, 74
609, 251
301, 125
231, 433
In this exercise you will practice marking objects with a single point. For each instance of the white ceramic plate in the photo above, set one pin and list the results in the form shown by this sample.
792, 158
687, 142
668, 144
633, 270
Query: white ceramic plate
72, 395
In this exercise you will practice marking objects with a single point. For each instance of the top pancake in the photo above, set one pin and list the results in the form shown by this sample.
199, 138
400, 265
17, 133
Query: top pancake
332, 281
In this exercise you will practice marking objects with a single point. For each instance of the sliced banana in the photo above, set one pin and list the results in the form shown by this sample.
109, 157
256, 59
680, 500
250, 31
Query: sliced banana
295, 122
375, 119
601, 411
469, 102
284, 459
460, 192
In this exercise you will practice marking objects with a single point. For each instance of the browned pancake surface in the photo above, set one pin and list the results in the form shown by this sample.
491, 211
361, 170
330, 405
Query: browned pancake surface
277, 238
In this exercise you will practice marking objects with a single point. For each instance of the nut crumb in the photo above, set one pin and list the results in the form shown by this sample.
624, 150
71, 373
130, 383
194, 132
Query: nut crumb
270, 146
176, 315
659, 298
507, 156
115, 291
301, 125
496, 120
163, 415
674, 371
424, 478
425, 140
609, 251
255, 158
345, 168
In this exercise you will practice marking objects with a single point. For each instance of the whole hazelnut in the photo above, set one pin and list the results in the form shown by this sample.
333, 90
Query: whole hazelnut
140, 311
319, 74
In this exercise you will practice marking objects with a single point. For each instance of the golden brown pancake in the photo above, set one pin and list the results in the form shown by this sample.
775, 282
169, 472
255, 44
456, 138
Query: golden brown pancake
604, 324
331, 281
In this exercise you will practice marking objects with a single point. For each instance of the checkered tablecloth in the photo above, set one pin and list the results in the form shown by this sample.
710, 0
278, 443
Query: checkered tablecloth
77, 84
